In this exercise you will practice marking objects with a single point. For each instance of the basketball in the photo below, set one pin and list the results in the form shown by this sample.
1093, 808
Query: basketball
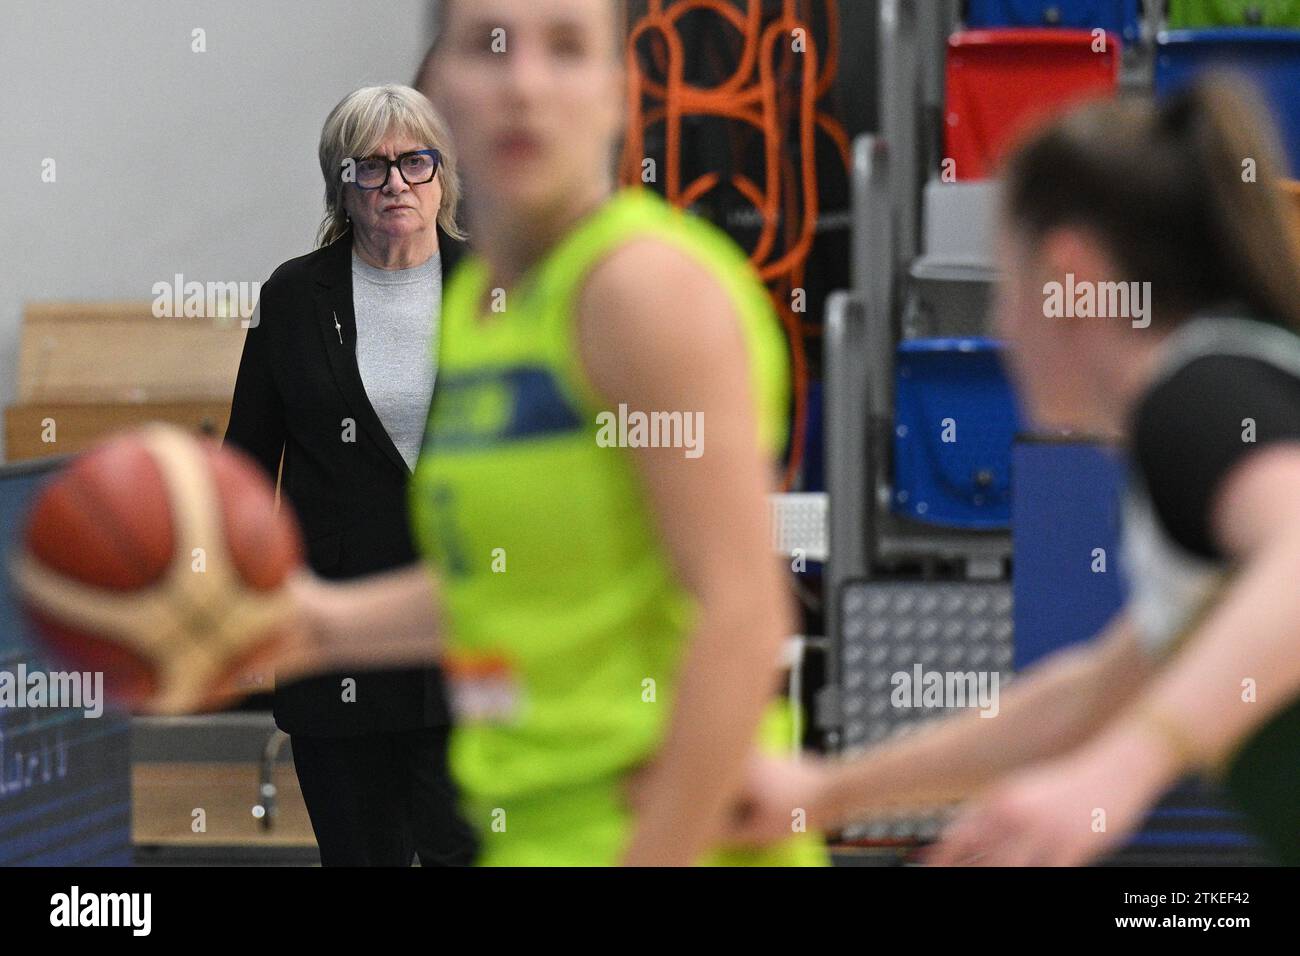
158, 559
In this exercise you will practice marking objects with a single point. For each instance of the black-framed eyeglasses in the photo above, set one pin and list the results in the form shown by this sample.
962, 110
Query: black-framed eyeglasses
372, 172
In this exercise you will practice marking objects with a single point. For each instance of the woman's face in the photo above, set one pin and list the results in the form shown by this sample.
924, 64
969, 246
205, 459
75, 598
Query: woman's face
1049, 357
533, 91
396, 211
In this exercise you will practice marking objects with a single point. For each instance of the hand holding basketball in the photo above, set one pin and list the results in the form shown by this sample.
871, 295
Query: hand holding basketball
162, 561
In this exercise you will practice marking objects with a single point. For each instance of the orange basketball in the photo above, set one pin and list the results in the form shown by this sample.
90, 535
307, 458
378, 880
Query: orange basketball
158, 559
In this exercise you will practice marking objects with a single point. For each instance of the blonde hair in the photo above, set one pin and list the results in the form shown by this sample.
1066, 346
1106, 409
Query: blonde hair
356, 127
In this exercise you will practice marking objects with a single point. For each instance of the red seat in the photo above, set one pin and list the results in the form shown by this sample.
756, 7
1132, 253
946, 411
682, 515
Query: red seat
1002, 81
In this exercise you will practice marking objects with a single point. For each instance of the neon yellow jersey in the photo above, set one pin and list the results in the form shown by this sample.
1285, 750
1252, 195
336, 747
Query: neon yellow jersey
565, 623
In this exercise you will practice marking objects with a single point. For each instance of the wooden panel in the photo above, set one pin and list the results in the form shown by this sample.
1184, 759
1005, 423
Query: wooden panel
78, 426
165, 796
118, 351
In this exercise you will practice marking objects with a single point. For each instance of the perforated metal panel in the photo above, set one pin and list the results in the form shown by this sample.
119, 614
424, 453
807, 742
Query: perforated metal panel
957, 633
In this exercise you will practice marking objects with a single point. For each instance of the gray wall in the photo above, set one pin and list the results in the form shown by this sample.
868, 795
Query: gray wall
171, 161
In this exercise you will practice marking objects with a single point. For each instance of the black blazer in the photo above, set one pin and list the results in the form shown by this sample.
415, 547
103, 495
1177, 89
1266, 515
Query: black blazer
298, 384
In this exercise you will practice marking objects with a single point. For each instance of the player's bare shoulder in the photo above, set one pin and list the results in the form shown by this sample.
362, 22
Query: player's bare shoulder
651, 292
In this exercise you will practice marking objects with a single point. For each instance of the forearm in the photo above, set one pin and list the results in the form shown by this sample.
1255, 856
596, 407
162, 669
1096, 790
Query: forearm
379, 621
1048, 711
1198, 709
726, 680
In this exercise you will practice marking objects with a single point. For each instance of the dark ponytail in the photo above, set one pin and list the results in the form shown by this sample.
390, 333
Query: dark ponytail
1168, 189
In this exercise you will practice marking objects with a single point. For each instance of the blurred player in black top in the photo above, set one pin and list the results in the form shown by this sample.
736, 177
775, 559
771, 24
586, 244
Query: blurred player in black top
1170, 218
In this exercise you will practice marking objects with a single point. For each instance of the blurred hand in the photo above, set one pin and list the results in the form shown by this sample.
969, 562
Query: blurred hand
296, 648
1066, 812
779, 798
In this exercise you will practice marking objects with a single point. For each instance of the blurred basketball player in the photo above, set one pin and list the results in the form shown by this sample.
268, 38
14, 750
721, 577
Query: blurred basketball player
590, 497
1201, 670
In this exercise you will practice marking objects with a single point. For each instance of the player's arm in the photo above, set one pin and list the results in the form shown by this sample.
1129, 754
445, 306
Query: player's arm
1237, 500
678, 346
1217, 495
379, 621
1049, 709
1197, 711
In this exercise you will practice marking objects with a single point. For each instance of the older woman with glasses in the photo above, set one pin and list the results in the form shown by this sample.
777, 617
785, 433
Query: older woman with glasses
335, 383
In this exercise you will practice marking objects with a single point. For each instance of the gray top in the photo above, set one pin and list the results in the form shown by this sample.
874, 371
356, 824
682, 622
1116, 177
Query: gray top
397, 326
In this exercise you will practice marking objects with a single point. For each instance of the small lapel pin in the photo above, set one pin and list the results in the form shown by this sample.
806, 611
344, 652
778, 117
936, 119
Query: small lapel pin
338, 328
